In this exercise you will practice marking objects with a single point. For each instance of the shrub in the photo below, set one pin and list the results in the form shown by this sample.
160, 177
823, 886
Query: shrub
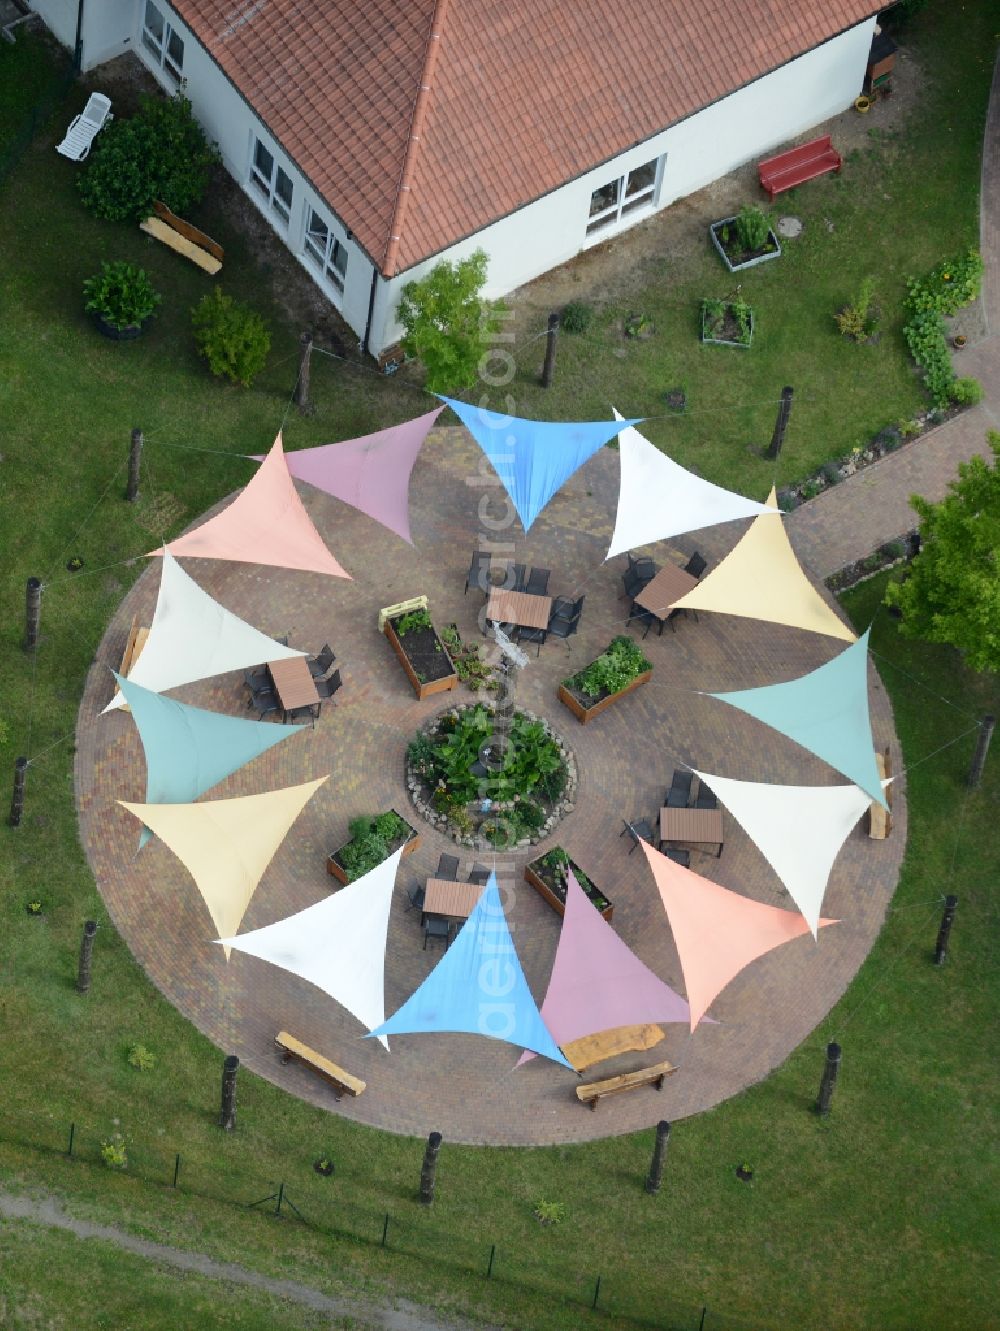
159, 153
966, 392
142, 1058
550, 1213
752, 226
121, 294
859, 321
113, 1152
576, 317
231, 337
447, 323
945, 289
830, 473
372, 841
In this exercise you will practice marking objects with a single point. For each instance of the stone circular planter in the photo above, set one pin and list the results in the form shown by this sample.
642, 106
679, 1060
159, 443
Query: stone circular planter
127, 334
713, 232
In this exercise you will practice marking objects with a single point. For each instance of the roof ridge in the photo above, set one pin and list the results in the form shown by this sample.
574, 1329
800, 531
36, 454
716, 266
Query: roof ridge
413, 144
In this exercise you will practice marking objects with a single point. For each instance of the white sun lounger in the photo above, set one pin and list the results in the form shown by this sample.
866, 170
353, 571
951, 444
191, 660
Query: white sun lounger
84, 127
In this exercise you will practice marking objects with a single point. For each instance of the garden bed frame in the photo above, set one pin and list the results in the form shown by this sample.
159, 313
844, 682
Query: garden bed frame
422, 688
337, 870
545, 892
584, 714
713, 232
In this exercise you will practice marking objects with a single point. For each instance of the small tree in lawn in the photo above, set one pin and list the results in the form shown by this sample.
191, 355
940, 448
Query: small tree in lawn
448, 323
952, 593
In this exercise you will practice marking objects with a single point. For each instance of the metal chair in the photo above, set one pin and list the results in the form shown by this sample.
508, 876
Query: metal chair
283, 640
707, 799
518, 573
437, 927
696, 565
255, 680
326, 688
565, 618
319, 665
479, 572
681, 857
679, 794
538, 581
532, 635
644, 616
638, 573
415, 894
264, 702
639, 830
297, 714
479, 874
448, 868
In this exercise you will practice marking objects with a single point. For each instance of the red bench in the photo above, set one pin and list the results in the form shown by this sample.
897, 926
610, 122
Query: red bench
791, 168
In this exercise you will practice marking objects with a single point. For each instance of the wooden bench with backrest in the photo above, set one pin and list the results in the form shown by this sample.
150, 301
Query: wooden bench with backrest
342, 1082
798, 165
181, 236
590, 1092
879, 819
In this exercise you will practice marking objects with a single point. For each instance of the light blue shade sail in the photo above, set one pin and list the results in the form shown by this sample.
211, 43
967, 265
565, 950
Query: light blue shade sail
826, 712
534, 458
189, 750
478, 988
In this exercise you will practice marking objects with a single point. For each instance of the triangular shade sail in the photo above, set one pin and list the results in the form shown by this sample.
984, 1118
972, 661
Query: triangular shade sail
659, 498
265, 524
826, 712
371, 473
597, 982
717, 932
798, 829
192, 637
533, 458
338, 945
227, 844
189, 750
761, 578
478, 987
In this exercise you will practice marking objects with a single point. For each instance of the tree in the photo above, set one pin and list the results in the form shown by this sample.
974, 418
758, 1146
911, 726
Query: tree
447, 322
952, 592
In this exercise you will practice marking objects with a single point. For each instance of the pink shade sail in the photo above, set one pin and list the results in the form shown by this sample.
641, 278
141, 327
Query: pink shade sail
265, 524
371, 473
717, 932
597, 981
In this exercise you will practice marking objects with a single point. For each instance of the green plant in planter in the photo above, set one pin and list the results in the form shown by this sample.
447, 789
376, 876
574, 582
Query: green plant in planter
121, 294
752, 227
743, 316
411, 622
612, 671
713, 313
371, 842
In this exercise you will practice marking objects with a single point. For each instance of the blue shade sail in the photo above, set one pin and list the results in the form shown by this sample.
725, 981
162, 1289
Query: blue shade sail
826, 712
189, 750
478, 988
534, 458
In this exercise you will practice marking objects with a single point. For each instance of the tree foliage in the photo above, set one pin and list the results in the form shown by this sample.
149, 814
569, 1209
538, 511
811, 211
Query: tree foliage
447, 323
952, 592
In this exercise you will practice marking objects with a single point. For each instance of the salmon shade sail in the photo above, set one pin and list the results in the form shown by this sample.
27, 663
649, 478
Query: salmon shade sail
717, 932
826, 712
193, 637
371, 473
338, 945
761, 578
597, 981
659, 498
265, 524
226, 845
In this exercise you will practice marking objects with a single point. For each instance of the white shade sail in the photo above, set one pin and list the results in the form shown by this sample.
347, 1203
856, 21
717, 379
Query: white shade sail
659, 498
338, 945
192, 637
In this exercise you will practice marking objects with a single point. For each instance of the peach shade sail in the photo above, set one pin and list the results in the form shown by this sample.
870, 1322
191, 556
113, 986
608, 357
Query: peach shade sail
717, 932
265, 524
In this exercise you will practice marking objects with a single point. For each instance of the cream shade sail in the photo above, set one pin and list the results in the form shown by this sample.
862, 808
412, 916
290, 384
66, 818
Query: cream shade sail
226, 845
761, 578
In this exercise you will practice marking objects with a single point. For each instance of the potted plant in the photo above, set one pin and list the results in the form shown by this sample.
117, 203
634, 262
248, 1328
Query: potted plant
619, 669
419, 647
745, 240
726, 323
121, 298
372, 839
548, 876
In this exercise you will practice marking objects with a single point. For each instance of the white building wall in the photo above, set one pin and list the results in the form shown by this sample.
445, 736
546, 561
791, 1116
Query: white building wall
108, 26
744, 125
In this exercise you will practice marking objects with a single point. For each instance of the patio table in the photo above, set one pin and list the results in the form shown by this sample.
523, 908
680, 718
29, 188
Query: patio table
669, 585
452, 901
692, 829
293, 683
521, 608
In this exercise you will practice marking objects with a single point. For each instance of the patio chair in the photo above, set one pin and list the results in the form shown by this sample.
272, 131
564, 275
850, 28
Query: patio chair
479, 874
308, 711
479, 572
644, 616
638, 573
532, 635
538, 581
565, 618
515, 579
415, 894
696, 565
264, 702
319, 665
283, 640
83, 129
326, 688
448, 868
679, 794
707, 799
639, 830
436, 927
255, 680
679, 856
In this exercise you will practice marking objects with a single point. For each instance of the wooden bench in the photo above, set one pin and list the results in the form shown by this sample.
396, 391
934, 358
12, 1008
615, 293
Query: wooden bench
183, 237
797, 165
342, 1082
590, 1092
592, 1049
879, 819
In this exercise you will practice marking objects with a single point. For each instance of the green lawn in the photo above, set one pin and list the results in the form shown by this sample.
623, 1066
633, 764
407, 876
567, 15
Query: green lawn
880, 1217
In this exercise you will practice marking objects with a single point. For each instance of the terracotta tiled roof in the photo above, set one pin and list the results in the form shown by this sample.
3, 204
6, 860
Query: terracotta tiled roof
421, 121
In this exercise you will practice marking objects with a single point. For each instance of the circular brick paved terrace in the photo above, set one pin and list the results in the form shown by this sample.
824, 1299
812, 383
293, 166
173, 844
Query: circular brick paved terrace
464, 1086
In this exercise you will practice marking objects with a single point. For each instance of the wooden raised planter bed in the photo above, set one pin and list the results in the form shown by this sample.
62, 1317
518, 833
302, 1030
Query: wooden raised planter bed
744, 258
422, 653
550, 888
337, 870
584, 714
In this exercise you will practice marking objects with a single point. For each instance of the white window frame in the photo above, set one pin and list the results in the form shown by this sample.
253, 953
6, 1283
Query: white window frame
322, 256
625, 204
266, 185
159, 47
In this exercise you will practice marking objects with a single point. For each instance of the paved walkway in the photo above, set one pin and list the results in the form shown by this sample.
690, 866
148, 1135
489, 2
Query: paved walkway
850, 520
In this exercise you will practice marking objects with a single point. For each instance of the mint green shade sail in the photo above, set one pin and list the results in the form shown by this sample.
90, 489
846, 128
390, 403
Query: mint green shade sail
826, 712
189, 750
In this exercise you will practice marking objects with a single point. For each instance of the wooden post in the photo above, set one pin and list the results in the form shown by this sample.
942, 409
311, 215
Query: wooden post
429, 1168
86, 952
550, 350
829, 1079
134, 456
33, 613
17, 799
659, 1151
227, 1118
302, 383
982, 749
780, 424
944, 933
